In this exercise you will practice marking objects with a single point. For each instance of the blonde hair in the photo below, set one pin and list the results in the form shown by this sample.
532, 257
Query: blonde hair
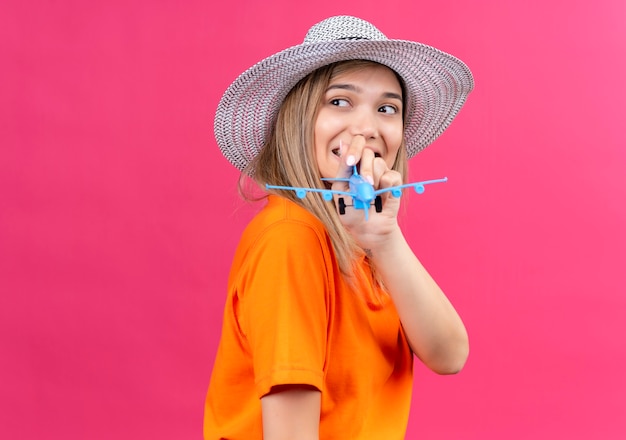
288, 159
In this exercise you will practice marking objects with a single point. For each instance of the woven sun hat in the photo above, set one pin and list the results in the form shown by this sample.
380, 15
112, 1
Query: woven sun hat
436, 85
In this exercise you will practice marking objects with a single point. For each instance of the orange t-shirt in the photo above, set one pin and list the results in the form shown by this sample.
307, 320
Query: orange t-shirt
291, 318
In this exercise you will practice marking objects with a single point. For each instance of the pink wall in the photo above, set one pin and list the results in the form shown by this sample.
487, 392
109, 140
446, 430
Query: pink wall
119, 217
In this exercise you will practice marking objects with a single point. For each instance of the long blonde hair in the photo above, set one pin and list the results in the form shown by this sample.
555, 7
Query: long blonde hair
287, 158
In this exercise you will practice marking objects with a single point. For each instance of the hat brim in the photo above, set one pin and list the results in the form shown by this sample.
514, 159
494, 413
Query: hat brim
436, 86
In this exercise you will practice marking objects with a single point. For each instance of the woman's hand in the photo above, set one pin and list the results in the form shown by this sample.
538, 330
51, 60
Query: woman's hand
369, 233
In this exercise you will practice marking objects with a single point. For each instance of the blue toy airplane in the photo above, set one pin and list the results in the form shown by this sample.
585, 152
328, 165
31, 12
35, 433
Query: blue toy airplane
361, 191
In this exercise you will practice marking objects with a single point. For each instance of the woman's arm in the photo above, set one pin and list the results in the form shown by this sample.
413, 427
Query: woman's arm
291, 412
433, 328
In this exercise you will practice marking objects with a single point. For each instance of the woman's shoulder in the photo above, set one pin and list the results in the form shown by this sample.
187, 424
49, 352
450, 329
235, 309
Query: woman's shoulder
283, 229
282, 220
280, 212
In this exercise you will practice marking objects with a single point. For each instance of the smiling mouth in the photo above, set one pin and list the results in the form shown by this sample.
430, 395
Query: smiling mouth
337, 152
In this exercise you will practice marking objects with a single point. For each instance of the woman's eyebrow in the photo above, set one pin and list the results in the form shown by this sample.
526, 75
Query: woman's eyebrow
350, 87
353, 88
392, 95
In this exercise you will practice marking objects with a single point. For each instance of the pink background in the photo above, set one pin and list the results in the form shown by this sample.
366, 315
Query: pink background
119, 216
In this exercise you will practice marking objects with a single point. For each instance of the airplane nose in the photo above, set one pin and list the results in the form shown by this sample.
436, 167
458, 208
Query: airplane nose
366, 192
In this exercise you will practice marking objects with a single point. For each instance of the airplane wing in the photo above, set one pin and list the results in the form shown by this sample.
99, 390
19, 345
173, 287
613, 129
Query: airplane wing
396, 191
301, 193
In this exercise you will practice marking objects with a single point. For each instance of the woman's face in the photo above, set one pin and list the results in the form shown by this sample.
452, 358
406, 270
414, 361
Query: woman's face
359, 102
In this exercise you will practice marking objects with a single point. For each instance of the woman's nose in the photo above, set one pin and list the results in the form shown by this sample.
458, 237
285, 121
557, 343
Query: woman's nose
364, 124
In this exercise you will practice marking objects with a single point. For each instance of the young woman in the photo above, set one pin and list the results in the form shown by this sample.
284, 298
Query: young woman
325, 311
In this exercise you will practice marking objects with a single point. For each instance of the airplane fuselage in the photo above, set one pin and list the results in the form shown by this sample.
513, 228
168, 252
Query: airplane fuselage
362, 192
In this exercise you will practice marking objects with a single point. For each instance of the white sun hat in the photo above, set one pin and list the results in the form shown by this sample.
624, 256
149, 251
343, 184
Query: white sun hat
436, 85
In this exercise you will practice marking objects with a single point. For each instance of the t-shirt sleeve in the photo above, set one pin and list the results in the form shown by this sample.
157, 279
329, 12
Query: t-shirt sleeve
283, 294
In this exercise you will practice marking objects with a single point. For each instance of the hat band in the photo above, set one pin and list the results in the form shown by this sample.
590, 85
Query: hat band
352, 38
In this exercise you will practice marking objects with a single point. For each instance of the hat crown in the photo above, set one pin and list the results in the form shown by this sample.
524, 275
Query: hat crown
343, 27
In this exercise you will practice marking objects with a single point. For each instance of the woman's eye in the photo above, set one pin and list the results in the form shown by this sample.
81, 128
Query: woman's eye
339, 102
388, 109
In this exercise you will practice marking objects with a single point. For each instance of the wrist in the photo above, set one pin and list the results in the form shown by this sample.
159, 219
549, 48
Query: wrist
383, 245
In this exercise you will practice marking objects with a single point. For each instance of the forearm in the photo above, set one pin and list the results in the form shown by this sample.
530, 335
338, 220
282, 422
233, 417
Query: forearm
433, 328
